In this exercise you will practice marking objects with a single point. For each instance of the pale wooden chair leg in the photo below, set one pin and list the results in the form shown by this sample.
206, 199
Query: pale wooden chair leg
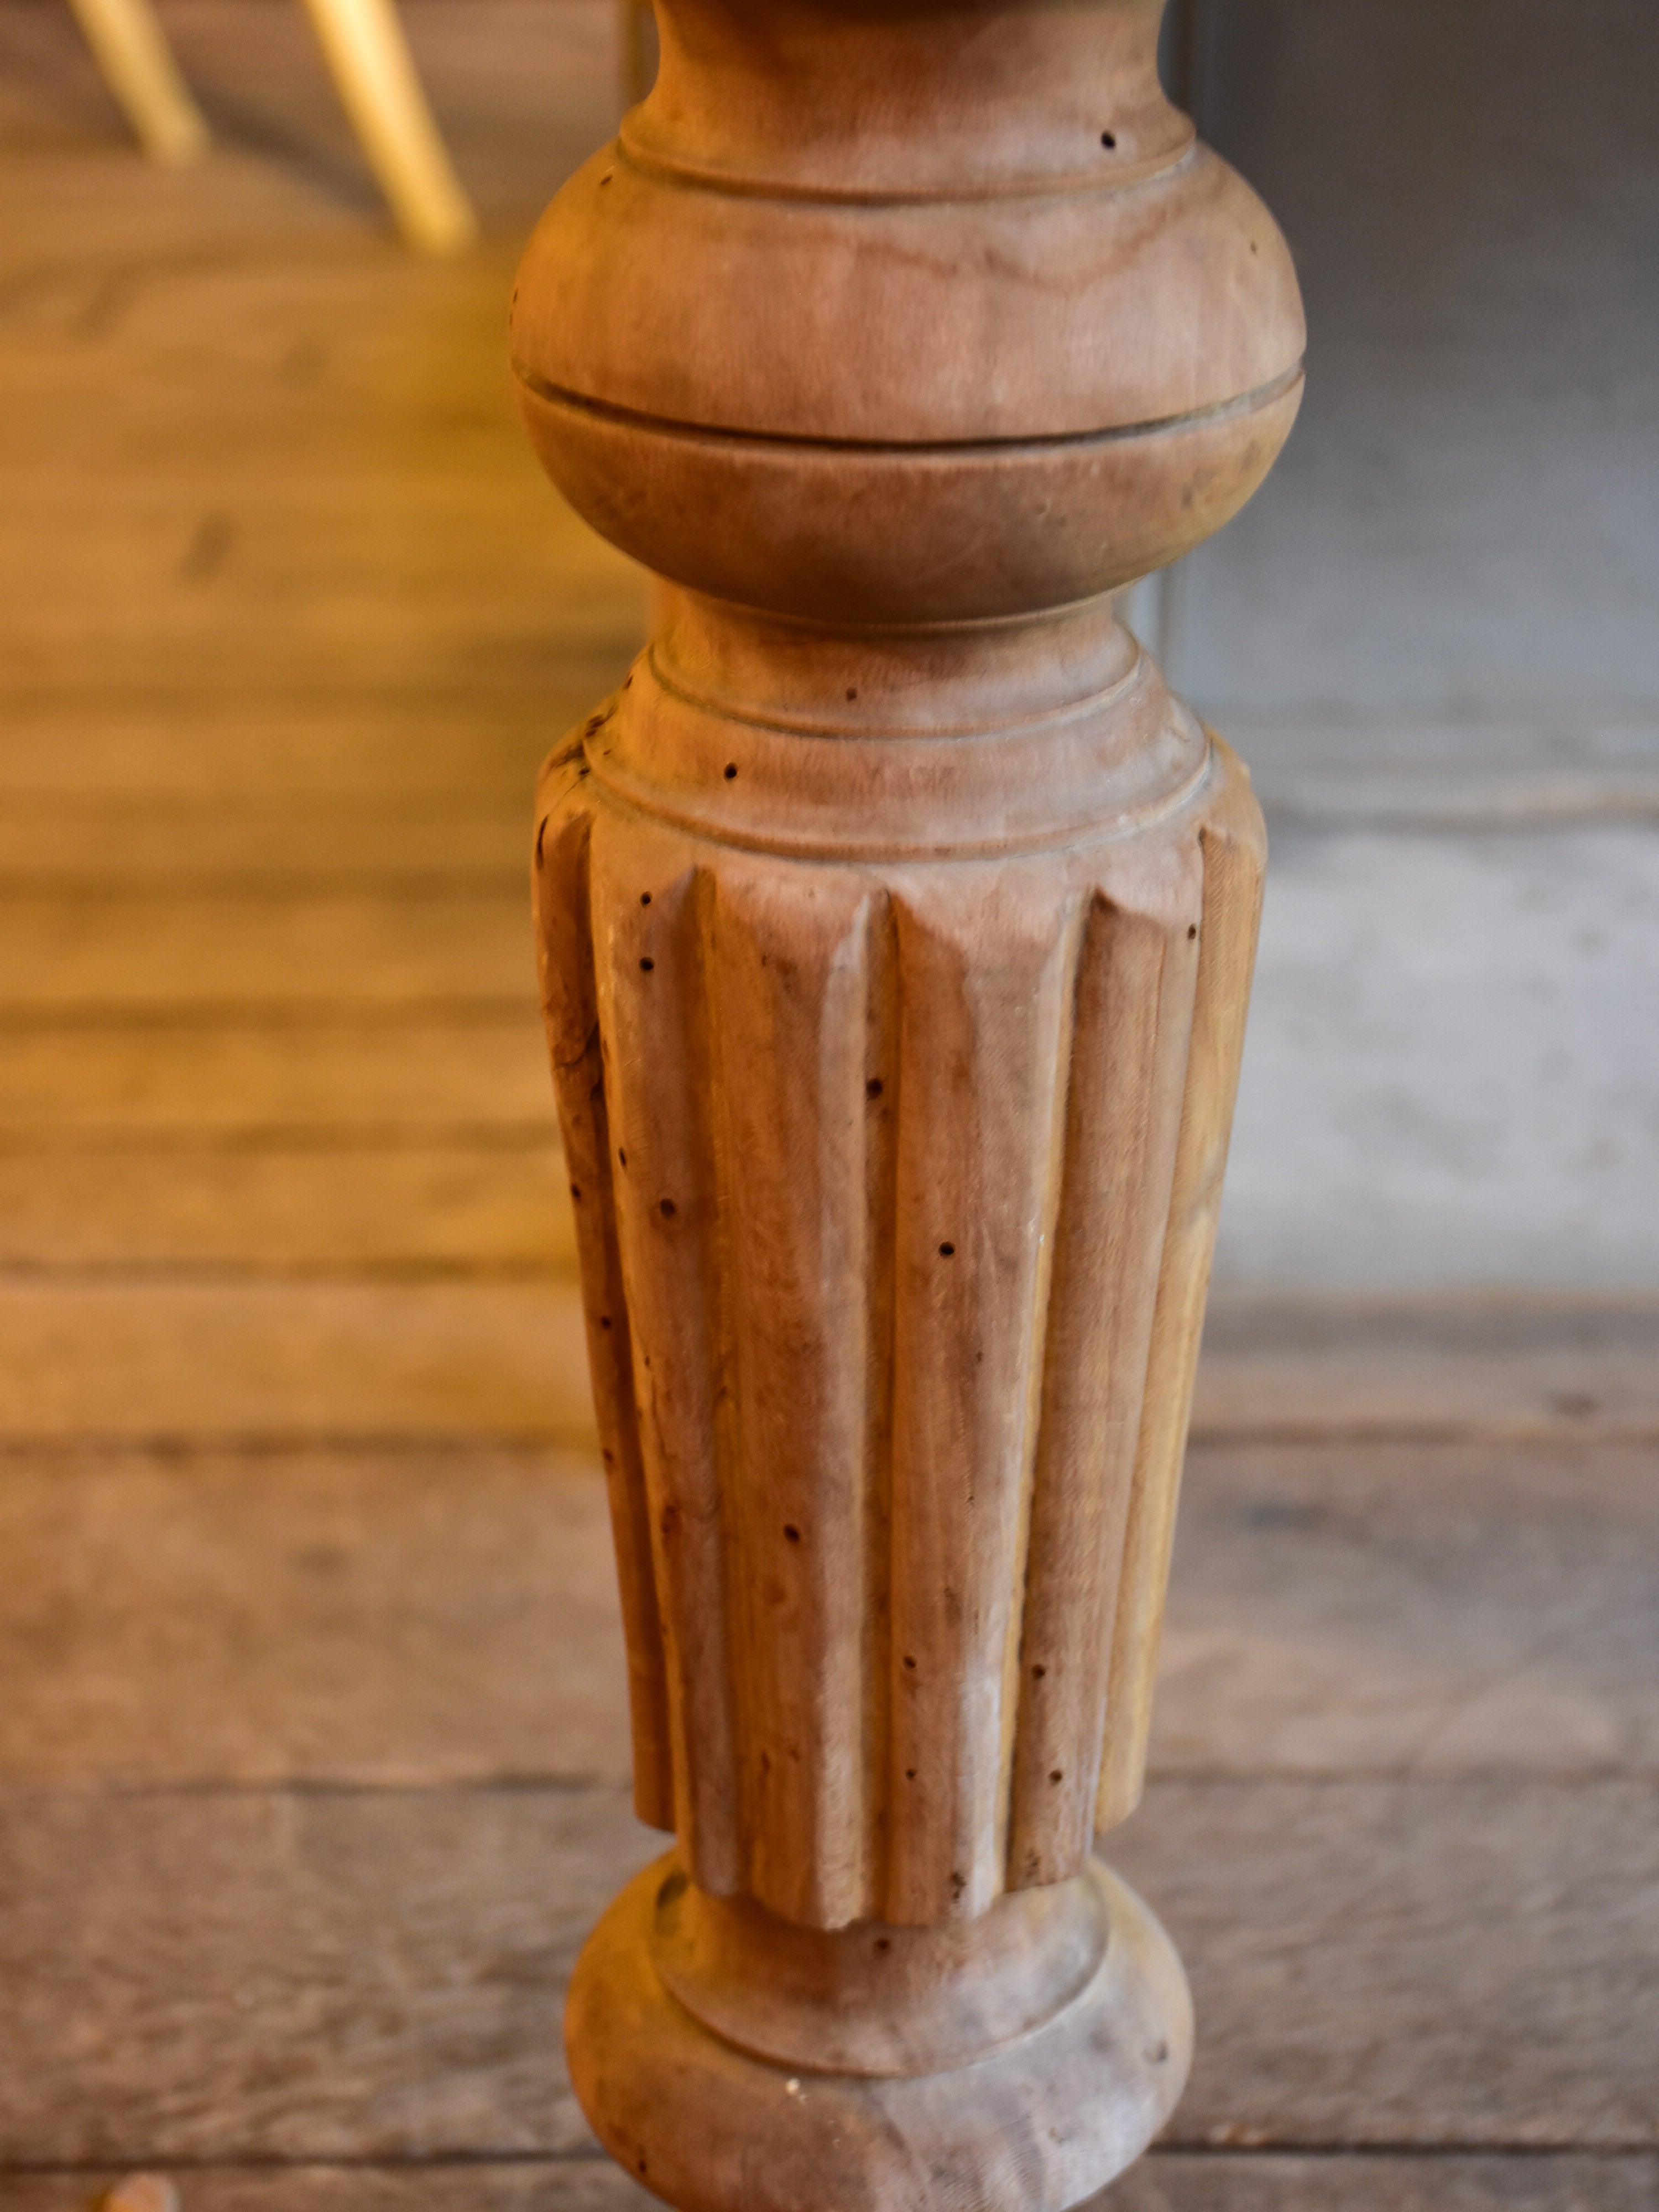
363, 44
896, 927
138, 67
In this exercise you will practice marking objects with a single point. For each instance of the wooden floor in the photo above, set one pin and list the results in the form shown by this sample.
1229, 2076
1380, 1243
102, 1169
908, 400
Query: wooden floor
311, 1748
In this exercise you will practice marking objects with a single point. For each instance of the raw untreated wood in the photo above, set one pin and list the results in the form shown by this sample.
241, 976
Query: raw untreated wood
1414, 1610
321, 1974
294, 1975
378, 1615
1444, 1370
344, 703
896, 928
1465, 1964
324, 1618
567, 2185
1165, 2181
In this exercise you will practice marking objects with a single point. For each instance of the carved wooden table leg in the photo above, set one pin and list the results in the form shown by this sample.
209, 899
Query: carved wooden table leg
896, 927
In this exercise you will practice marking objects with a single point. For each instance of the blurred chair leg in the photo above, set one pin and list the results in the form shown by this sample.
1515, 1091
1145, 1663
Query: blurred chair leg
363, 44
138, 67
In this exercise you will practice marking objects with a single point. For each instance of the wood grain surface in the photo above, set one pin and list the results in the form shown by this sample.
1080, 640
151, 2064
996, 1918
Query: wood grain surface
308, 1974
1164, 2181
313, 1750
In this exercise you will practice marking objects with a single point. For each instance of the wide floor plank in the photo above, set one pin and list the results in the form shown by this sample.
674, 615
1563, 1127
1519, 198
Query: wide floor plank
1164, 2181
386, 743
314, 1975
158, 949
1421, 1368
138, 1361
248, 1975
461, 1210
72, 839
1412, 1609
325, 1617
376, 1615
353, 1078
1466, 1965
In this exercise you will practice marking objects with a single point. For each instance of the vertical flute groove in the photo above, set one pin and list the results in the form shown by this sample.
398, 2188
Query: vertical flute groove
1132, 1023
884, 1101
652, 1008
562, 887
1052, 1135
1233, 851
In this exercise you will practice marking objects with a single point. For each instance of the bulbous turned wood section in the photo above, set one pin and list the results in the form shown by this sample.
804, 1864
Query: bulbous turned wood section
896, 927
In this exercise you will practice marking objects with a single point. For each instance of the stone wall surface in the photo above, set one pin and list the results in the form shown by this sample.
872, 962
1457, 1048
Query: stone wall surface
1434, 636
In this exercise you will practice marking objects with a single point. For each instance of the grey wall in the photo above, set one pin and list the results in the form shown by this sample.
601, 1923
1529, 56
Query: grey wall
1435, 635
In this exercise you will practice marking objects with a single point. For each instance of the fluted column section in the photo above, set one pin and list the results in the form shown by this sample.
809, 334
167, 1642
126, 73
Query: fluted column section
896, 928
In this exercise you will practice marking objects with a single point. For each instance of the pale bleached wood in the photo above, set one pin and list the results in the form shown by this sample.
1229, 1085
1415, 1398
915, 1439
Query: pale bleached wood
375, 77
1487, 1959
1445, 1369
294, 1976
811, 340
576, 2183
1414, 1609
1448, 1611
446, 1616
665, 1195
327, 1617
1165, 2181
1232, 906
169, 689
345, 1974
561, 881
1135, 991
689, 1197
139, 70
1453, 2181
984, 1054
804, 978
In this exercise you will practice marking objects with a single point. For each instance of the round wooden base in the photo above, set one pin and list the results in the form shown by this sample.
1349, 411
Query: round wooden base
1039, 2122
